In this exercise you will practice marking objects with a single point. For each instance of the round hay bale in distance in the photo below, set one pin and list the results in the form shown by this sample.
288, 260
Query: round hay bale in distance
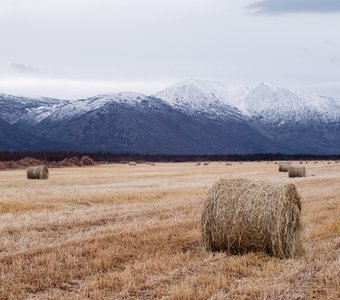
241, 215
296, 172
37, 172
284, 167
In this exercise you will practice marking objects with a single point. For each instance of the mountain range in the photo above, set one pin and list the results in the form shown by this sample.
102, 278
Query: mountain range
191, 117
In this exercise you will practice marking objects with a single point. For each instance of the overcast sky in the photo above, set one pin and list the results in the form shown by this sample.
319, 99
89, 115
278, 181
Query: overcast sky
78, 48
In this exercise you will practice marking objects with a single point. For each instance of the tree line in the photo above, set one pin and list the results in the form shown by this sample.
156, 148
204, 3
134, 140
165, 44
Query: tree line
125, 157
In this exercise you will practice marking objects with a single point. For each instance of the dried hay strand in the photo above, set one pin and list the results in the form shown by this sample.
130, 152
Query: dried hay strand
284, 167
296, 172
241, 215
37, 172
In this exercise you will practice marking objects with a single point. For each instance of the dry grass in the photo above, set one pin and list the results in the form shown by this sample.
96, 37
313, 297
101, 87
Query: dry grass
116, 232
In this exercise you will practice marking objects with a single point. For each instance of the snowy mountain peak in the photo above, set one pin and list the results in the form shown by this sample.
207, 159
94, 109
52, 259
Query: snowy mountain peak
262, 101
199, 96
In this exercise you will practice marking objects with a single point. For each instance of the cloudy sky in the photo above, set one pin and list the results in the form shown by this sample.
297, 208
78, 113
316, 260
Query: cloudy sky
77, 48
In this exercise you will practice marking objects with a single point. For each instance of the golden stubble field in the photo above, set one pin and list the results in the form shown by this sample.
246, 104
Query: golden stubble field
133, 232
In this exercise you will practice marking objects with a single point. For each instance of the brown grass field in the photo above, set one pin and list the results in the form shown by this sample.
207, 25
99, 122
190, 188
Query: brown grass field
133, 232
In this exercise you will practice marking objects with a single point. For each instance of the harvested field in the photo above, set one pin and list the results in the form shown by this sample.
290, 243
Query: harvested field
116, 232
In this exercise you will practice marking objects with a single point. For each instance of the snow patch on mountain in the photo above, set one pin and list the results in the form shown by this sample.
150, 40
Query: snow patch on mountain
14, 108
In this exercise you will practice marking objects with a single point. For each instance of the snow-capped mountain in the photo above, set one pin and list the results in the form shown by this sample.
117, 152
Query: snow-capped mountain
193, 116
271, 104
302, 122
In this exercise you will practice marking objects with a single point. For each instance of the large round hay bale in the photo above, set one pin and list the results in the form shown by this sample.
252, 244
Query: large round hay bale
241, 215
296, 172
284, 167
37, 172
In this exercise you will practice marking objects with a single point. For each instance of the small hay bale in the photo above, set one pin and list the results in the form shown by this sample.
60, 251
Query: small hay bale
206, 163
198, 164
37, 172
132, 163
228, 164
296, 172
283, 167
241, 215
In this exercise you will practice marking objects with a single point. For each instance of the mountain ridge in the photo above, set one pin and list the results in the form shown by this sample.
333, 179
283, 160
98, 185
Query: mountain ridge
195, 115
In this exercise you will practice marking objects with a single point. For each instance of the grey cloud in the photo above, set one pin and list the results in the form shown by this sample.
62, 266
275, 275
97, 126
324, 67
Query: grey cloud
25, 69
295, 6
139, 45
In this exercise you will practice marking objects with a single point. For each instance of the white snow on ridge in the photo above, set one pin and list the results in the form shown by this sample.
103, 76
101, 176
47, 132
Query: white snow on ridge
263, 101
75, 108
66, 109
